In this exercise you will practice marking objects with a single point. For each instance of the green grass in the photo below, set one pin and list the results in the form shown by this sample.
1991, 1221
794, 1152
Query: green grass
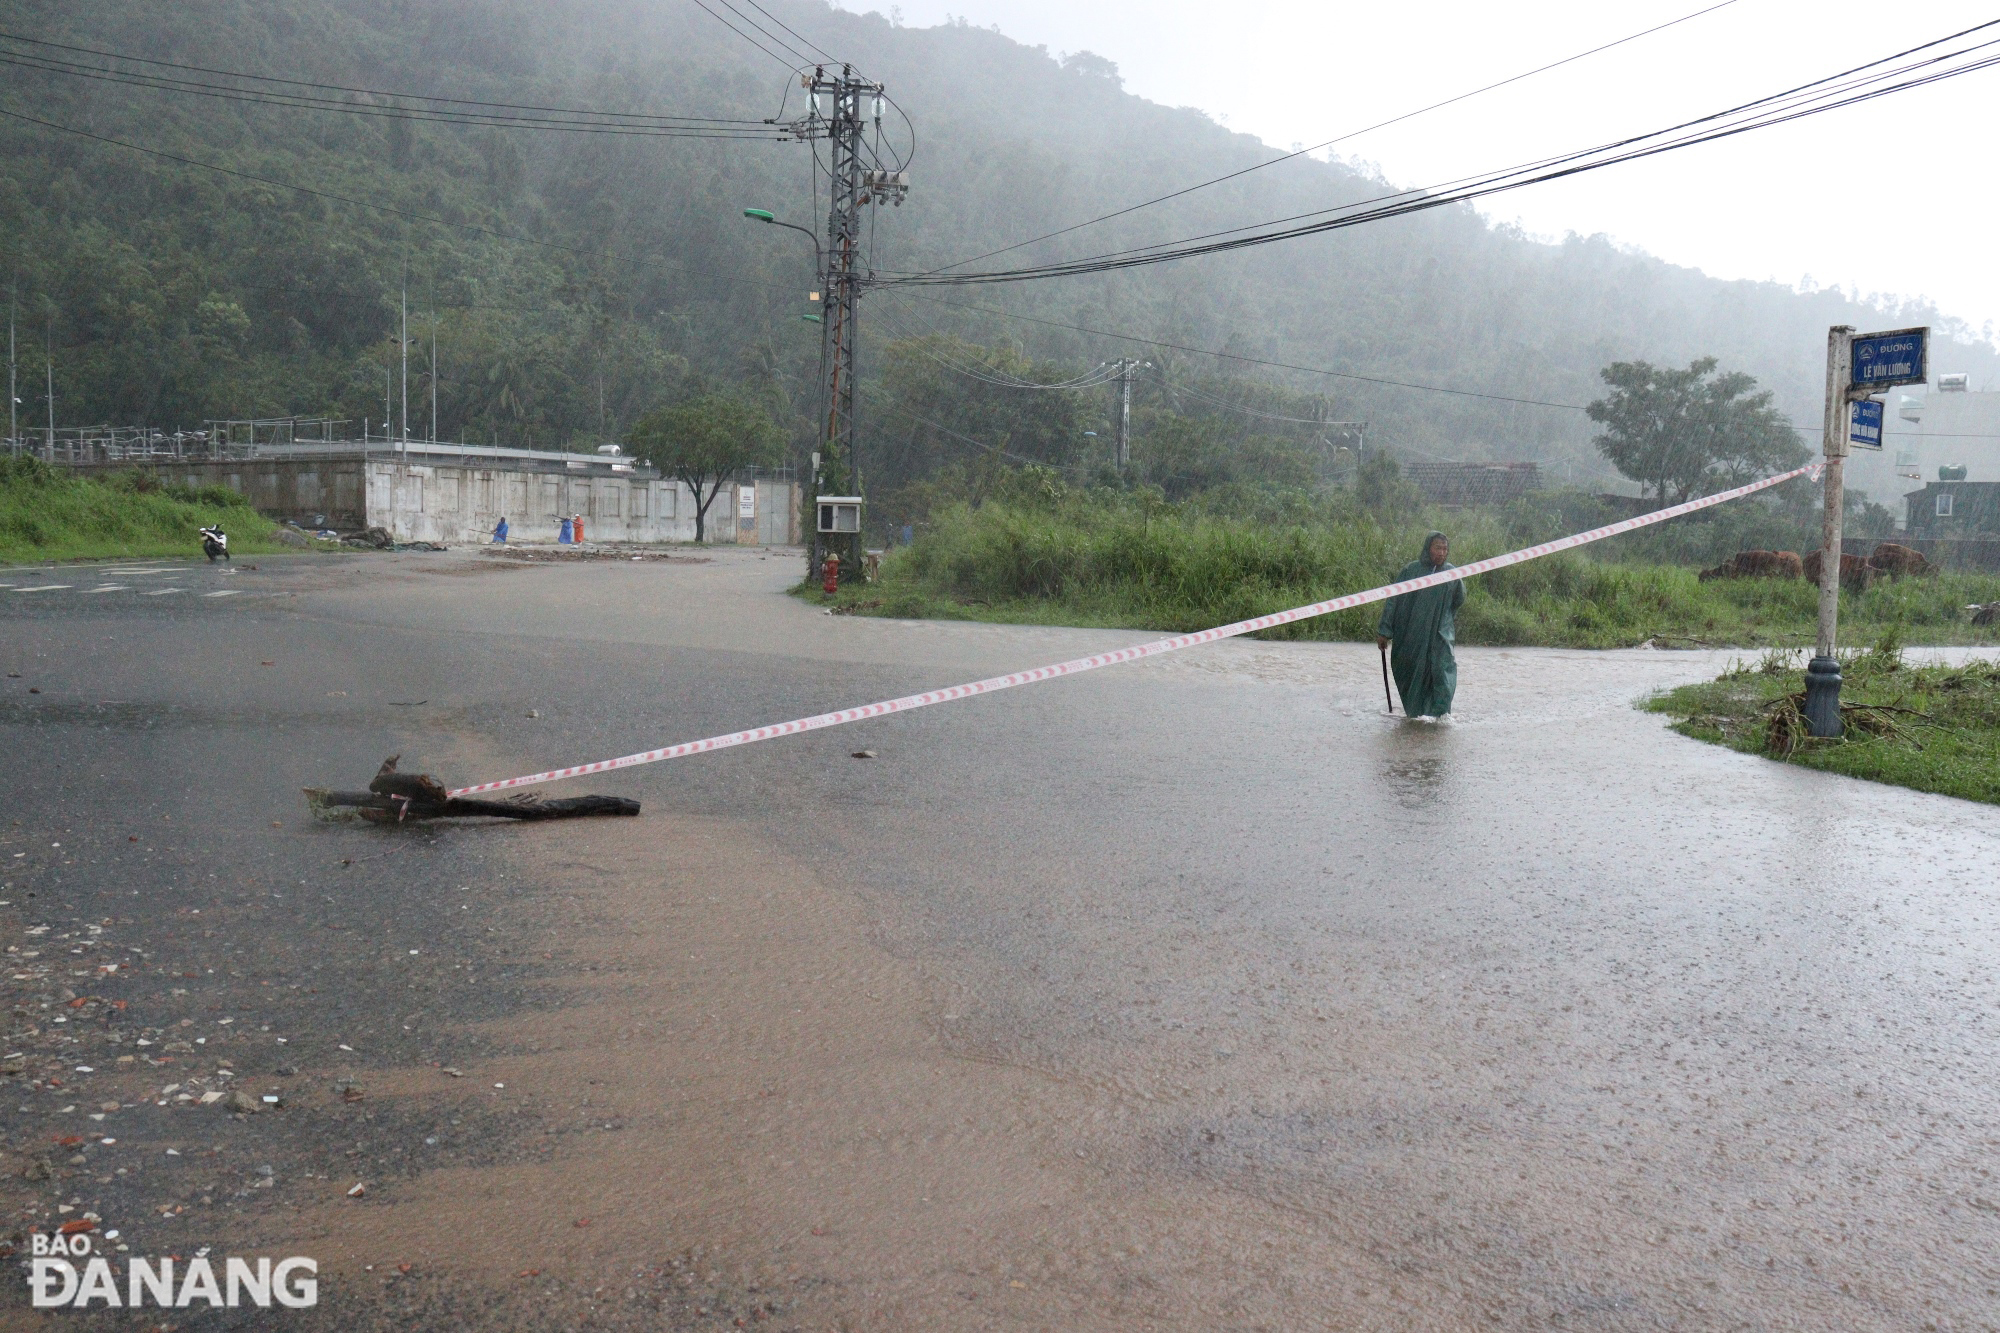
1931, 728
47, 514
1114, 564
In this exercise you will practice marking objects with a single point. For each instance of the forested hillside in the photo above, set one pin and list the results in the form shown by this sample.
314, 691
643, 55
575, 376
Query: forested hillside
579, 279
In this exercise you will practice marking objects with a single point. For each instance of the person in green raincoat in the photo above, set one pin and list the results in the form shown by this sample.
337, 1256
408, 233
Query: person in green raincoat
1419, 625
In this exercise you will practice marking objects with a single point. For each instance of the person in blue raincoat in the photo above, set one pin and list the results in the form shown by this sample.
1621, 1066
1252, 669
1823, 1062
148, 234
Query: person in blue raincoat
1417, 629
500, 531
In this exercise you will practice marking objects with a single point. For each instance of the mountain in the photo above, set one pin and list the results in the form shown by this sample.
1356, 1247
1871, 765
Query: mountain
580, 278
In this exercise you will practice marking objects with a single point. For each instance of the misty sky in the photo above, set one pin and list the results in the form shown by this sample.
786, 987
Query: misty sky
1899, 195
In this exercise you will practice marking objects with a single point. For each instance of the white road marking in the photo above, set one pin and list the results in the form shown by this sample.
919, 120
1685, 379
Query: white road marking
162, 592
226, 592
46, 587
113, 587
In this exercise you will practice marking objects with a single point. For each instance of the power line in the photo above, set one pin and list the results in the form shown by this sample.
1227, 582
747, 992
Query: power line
911, 126
552, 307
1351, 134
821, 51
263, 86
1316, 370
924, 346
389, 209
716, 131
788, 64
966, 439
252, 98
783, 46
1217, 401
1220, 402
1827, 94
1248, 360
1097, 377
1384, 207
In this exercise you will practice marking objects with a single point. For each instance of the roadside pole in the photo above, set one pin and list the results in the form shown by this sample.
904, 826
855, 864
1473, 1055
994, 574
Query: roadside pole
1822, 708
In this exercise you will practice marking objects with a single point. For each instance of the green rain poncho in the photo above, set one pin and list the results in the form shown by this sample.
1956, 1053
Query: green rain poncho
1419, 624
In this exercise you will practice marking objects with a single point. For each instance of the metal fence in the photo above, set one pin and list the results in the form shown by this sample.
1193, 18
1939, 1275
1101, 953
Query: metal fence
296, 439
247, 438
112, 444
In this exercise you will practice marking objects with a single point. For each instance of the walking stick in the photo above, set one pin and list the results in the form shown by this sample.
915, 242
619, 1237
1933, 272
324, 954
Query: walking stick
1385, 679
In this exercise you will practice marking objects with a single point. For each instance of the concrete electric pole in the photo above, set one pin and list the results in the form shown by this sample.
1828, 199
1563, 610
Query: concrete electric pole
404, 348
1823, 672
49, 352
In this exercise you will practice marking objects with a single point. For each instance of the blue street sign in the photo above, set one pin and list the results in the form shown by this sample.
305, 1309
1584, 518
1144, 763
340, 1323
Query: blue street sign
1864, 424
1883, 359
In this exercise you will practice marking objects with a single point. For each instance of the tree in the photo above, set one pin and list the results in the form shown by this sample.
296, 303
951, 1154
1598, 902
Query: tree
1381, 488
1683, 433
705, 441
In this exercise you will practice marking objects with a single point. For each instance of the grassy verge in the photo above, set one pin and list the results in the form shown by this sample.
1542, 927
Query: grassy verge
1120, 566
1933, 728
47, 514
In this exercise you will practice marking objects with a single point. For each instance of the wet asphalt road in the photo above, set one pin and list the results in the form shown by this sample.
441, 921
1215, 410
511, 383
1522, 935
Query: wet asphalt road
1295, 1015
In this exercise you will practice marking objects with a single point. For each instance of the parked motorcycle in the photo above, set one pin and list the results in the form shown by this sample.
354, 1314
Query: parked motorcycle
215, 542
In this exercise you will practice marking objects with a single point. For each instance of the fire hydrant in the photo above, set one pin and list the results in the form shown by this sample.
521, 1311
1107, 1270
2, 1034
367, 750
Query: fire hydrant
830, 574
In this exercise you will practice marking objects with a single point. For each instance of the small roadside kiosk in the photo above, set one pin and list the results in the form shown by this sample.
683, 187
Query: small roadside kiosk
1856, 369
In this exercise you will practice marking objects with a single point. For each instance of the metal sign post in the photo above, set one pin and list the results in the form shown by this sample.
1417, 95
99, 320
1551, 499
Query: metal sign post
1855, 368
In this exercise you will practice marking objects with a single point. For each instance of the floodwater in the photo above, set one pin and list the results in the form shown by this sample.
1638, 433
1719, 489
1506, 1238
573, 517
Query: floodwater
1197, 994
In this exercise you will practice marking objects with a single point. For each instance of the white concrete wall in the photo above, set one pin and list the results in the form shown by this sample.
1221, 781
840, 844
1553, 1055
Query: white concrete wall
457, 506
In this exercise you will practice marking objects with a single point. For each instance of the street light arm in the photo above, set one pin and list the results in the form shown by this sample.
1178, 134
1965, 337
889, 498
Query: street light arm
808, 234
760, 215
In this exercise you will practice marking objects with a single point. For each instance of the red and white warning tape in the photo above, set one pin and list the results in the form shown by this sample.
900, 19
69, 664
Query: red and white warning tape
1132, 654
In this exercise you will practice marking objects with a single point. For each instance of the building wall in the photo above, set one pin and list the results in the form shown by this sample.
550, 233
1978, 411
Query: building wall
283, 488
459, 505
1975, 510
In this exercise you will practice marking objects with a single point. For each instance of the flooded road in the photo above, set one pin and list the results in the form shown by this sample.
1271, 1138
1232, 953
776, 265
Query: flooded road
1190, 994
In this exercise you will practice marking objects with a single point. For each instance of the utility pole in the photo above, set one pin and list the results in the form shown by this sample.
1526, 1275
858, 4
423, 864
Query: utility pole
849, 103
434, 372
49, 353
403, 347
1123, 433
13, 388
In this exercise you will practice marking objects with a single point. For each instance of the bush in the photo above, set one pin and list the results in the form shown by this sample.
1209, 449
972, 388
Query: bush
1130, 558
49, 514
